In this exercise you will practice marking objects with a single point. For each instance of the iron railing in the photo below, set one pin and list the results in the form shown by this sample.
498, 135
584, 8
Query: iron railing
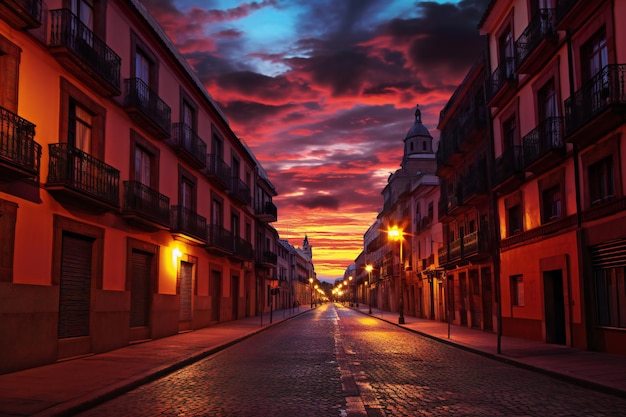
240, 191
17, 144
146, 202
219, 237
605, 89
504, 73
139, 95
541, 26
268, 208
544, 138
70, 167
185, 137
188, 222
242, 248
218, 168
68, 31
508, 164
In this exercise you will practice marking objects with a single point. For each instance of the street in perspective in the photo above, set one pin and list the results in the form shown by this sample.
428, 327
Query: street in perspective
337, 361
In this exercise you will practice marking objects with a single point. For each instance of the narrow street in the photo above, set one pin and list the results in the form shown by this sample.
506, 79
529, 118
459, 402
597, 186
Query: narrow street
334, 361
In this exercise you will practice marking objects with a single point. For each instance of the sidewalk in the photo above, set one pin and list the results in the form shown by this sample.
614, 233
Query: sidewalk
600, 371
65, 388
68, 387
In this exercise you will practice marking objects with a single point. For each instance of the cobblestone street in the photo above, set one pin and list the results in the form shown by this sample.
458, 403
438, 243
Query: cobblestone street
337, 362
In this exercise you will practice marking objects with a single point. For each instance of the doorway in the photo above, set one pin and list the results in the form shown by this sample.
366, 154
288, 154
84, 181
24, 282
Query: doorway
554, 305
234, 295
185, 279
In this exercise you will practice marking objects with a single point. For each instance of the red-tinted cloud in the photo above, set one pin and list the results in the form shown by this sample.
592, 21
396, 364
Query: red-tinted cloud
328, 127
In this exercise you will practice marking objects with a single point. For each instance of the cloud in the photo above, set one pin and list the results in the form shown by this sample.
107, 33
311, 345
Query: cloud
325, 108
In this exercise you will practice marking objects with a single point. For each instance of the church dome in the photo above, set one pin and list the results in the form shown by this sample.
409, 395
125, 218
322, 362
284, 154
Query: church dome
418, 129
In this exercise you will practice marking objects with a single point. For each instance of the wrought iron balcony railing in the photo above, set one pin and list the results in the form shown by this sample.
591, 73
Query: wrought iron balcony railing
22, 13
140, 96
146, 202
542, 25
266, 257
187, 222
72, 168
242, 249
185, 138
605, 89
66, 30
266, 211
503, 74
220, 238
508, 164
544, 138
217, 168
18, 148
240, 191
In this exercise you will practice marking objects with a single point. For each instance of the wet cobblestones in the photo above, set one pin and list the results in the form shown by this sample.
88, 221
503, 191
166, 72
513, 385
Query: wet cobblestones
336, 362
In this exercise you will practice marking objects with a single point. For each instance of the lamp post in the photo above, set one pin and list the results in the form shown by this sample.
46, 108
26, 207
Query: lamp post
311, 287
351, 291
369, 268
395, 233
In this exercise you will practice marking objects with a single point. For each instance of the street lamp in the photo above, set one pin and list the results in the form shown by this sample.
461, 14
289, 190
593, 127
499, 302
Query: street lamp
350, 291
311, 287
394, 233
369, 268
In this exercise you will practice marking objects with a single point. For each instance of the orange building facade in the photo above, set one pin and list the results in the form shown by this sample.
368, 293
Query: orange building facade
129, 210
556, 98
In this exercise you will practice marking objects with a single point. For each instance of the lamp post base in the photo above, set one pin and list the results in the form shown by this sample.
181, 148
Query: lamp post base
401, 320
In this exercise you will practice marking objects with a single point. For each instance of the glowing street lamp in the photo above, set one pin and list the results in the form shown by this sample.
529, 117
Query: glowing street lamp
311, 286
394, 233
369, 268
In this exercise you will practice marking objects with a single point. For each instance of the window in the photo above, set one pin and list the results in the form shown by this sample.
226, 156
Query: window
85, 11
517, 290
144, 161
594, 55
9, 74
142, 166
507, 52
234, 224
187, 189
548, 104
144, 64
601, 181
80, 127
514, 220
509, 129
611, 296
551, 208
217, 212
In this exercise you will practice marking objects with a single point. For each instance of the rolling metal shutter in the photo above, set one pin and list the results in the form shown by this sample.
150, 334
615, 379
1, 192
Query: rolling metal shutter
75, 286
184, 290
140, 264
609, 254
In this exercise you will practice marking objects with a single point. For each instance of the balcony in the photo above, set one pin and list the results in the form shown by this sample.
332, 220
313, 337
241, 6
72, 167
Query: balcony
84, 54
572, 13
454, 200
598, 107
220, 240
76, 176
21, 14
449, 152
508, 170
266, 212
188, 145
188, 226
604, 208
242, 250
145, 207
502, 84
544, 146
19, 153
266, 259
240, 192
473, 128
537, 43
545, 231
146, 108
217, 171
470, 247
474, 183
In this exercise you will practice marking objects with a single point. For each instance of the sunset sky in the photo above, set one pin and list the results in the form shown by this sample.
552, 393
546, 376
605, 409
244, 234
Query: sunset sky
324, 92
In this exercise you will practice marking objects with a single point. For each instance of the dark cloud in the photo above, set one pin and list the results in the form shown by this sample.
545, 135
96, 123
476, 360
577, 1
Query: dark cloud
322, 201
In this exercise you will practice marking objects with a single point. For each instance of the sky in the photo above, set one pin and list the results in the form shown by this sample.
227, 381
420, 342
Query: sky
324, 92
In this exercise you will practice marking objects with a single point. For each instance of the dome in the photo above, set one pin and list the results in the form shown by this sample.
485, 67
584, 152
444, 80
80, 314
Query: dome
418, 129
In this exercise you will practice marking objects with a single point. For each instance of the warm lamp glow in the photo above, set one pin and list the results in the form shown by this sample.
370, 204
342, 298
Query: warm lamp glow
369, 268
394, 233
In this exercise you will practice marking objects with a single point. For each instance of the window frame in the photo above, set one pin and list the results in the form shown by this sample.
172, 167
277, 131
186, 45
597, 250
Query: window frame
138, 141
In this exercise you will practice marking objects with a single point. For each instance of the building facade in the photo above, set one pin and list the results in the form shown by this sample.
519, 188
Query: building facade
129, 209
